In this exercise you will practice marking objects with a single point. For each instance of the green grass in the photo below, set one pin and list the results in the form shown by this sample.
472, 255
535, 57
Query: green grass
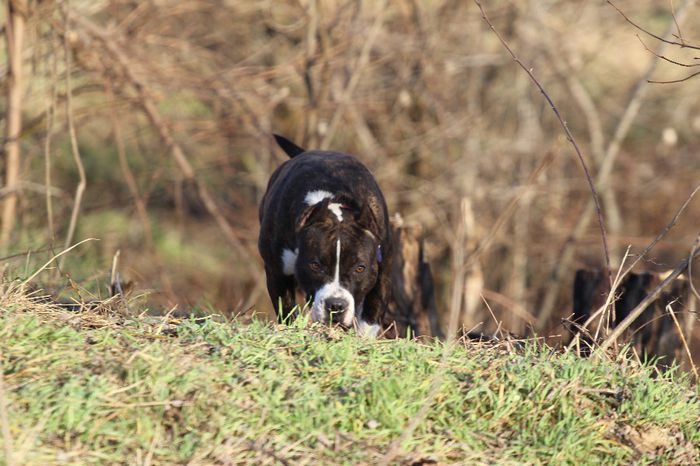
101, 388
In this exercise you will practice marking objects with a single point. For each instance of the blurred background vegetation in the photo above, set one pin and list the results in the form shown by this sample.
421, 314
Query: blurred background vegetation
173, 104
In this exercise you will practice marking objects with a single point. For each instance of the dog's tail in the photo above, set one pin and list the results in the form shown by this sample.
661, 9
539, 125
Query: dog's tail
291, 149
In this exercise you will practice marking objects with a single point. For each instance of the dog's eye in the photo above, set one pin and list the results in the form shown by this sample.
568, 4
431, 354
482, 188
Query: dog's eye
360, 269
315, 266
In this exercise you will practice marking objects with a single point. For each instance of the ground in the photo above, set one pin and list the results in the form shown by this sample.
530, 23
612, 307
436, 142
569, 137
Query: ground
111, 385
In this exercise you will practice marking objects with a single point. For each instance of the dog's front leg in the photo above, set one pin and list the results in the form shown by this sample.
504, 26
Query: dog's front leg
281, 289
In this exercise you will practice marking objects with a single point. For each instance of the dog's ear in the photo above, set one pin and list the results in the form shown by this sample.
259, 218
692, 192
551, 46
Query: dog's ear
367, 218
291, 149
311, 214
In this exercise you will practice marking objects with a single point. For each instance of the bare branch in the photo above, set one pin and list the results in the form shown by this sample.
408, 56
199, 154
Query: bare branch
675, 80
569, 136
675, 21
682, 44
602, 179
688, 65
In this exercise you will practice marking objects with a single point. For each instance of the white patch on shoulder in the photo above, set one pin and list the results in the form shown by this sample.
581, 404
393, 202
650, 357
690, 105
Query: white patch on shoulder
337, 210
314, 197
289, 261
368, 330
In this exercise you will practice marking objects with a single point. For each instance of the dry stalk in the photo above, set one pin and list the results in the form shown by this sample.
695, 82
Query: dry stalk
603, 178
148, 106
650, 298
80, 189
509, 210
681, 334
600, 312
358, 68
135, 194
50, 116
623, 273
14, 32
56, 256
126, 170
695, 247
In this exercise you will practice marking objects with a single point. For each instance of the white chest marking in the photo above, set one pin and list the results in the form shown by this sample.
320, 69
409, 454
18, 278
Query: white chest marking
314, 197
289, 261
365, 329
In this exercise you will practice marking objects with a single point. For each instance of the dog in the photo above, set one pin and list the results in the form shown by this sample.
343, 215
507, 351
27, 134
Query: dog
324, 229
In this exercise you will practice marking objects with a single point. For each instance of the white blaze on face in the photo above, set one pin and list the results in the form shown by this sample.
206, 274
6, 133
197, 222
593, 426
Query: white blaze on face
337, 210
289, 261
333, 290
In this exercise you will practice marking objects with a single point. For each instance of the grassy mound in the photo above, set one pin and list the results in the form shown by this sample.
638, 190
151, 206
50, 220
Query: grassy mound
98, 387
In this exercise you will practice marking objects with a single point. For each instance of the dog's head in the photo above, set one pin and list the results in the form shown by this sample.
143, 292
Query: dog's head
338, 257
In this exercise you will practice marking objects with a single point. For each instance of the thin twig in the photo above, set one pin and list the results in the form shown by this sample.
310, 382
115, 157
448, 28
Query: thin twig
569, 136
678, 26
649, 33
602, 179
622, 274
80, 189
687, 65
663, 232
690, 76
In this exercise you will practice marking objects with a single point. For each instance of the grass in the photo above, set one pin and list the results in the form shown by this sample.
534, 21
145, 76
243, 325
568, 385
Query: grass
101, 387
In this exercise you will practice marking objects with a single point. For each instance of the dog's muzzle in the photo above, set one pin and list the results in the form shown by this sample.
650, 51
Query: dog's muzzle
333, 304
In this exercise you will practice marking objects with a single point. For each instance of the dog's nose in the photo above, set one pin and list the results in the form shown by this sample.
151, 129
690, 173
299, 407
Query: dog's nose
336, 305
